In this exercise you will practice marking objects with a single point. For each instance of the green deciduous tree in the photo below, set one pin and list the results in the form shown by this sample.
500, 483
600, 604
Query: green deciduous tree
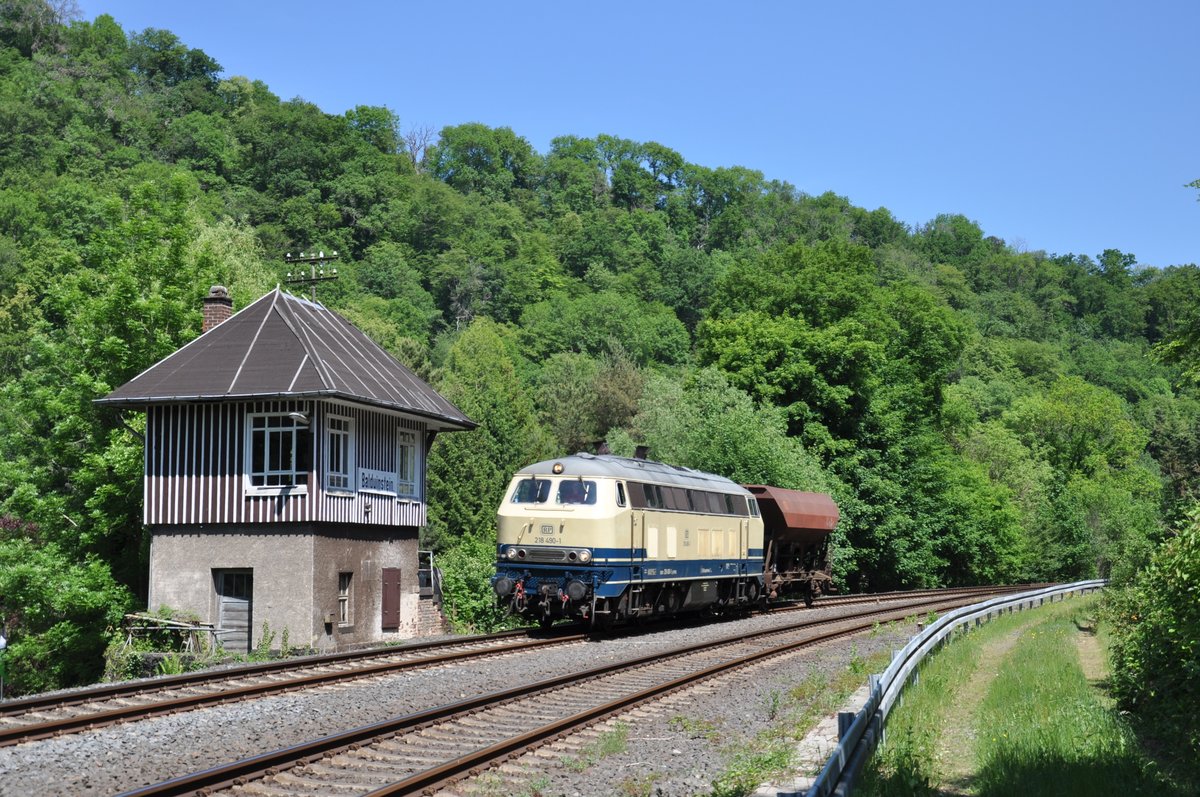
1156, 654
476, 158
56, 612
1079, 428
468, 471
599, 323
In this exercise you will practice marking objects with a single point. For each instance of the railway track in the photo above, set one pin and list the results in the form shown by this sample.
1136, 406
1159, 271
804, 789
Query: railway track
45, 716
427, 750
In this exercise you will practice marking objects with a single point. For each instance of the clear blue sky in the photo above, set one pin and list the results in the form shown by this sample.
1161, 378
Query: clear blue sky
1063, 126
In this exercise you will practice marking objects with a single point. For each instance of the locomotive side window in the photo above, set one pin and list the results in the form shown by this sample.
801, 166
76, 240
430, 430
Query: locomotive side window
573, 491
531, 491
676, 498
620, 494
637, 495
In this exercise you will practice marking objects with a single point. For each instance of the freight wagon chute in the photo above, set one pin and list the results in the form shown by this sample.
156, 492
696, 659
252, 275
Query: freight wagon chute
798, 526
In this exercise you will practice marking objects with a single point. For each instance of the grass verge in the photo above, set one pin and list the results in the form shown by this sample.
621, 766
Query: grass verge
1009, 710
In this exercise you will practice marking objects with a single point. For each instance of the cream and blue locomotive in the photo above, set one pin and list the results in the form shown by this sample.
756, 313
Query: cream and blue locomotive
602, 538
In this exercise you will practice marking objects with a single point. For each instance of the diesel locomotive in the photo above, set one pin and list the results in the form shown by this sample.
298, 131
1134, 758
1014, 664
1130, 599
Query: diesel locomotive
607, 539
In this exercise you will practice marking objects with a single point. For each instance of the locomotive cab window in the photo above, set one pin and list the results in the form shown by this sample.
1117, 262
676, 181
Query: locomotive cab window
531, 491
576, 491
620, 494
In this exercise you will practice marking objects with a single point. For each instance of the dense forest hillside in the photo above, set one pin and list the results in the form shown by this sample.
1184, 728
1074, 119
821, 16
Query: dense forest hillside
981, 413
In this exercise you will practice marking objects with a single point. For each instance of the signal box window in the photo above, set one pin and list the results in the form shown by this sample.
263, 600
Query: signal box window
339, 454
408, 466
344, 581
279, 452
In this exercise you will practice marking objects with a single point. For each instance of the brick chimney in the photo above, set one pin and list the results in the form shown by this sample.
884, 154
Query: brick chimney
218, 306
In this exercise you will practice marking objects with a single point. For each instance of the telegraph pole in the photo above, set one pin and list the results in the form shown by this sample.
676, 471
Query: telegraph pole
316, 270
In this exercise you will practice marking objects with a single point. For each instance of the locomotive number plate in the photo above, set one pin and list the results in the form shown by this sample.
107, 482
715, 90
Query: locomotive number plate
547, 536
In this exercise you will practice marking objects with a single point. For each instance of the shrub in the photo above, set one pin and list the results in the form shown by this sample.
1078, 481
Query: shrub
1156, 650
467, 569
55, 615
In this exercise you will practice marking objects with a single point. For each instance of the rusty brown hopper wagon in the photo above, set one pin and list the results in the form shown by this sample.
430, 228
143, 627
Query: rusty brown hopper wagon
798, 527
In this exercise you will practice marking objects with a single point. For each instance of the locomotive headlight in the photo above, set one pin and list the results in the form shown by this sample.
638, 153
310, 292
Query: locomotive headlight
510, 552
585, 555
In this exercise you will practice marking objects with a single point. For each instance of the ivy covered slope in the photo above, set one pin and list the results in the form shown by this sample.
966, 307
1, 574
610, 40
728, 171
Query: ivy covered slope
980, 413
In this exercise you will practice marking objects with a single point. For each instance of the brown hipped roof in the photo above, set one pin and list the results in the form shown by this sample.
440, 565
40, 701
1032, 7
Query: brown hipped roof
282, 346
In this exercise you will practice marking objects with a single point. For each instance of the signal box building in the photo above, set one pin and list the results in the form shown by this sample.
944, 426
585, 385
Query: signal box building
285, 476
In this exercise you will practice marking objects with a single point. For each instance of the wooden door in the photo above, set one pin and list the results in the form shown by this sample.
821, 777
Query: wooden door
391, 599
235, 608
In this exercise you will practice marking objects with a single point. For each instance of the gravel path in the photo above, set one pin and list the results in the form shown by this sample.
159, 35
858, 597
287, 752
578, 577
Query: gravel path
670, 748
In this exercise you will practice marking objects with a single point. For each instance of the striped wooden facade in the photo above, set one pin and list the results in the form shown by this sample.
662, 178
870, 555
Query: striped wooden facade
195, 469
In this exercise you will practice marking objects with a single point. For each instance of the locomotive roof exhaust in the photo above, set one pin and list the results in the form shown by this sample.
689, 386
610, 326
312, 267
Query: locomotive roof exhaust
641, 452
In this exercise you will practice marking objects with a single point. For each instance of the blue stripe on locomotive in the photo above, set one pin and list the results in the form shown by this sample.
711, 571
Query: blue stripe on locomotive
612, 570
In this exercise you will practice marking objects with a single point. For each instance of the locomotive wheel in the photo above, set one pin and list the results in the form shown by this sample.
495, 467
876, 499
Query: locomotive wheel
670, 600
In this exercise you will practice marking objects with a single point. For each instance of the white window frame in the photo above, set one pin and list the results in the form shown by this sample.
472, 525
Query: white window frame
345, 598
340, 441
291, 480
408, 486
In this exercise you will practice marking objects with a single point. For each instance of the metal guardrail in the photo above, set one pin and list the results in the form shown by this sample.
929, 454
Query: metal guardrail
862, 734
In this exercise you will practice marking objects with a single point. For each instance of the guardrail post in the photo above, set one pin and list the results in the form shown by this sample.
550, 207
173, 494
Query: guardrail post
845, 720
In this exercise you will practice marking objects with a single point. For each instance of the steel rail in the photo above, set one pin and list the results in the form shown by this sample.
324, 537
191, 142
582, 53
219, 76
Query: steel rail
18, 733
25, 705
42, 730
241, 771
57, 700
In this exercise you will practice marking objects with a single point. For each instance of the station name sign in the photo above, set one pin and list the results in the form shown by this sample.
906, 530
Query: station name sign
377, 481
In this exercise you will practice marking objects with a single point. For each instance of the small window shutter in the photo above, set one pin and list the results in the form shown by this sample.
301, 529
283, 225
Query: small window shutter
391, 598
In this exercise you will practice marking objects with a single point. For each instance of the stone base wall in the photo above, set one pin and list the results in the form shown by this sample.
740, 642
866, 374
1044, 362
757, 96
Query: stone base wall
295, 579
